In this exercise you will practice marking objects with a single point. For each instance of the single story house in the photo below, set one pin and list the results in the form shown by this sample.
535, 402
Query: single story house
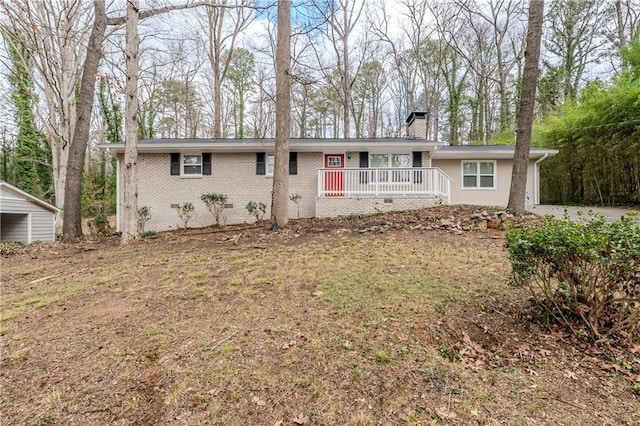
24, 217
328, 177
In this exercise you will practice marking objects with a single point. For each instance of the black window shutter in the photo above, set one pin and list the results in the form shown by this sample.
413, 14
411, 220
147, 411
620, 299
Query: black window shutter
206, 163
293, 163
364, 159
260, 163
175, 164
417, 162
417, 159
364, 163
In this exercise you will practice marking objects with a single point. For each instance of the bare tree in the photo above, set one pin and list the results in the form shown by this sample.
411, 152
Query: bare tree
263, 113
130, 169
223, 25
342, 16
404, 86
496, 24
72, 226
527, 102
280, 200
55, 33
627, 21
574, 38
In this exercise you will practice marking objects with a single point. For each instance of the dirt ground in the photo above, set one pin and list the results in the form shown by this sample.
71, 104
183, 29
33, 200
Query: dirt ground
385, 320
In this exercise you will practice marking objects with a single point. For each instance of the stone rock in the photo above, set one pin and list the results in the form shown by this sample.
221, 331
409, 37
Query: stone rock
494, 223
446, 223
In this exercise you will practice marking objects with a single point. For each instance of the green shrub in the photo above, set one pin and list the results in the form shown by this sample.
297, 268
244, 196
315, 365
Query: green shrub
144, 215
584, 272
258, 210
185, 213
215, 204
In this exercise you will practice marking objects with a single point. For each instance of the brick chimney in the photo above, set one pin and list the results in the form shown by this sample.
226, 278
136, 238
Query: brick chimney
417, 125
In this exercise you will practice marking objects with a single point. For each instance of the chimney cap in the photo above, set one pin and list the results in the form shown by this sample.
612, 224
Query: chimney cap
416, 115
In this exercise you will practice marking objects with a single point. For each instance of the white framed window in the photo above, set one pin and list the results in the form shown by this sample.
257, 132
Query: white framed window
390, 161
478, 175
334, 161
191, 165
270, 163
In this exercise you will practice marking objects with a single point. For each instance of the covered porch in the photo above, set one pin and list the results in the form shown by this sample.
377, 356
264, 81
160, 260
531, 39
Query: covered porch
348, 191
384, 182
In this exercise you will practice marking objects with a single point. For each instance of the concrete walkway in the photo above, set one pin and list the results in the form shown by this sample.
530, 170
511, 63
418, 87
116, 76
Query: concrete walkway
610, 213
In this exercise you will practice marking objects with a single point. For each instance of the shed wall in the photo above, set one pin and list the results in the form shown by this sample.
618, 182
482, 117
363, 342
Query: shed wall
15, 220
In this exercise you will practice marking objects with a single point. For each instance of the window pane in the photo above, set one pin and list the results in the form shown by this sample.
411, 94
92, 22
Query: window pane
486, 168
334, 161
469, 168
270, 164
379, 160
193, 170
486, 181
400, 160
470, 182
191, 159
192, 164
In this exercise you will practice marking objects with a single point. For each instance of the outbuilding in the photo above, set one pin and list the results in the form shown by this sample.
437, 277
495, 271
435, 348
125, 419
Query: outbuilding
24, 217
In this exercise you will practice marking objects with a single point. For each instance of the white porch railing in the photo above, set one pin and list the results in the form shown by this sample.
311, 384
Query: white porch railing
384, 182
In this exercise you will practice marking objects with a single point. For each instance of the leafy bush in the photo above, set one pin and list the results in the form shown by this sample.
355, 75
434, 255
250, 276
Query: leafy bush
581, 272
144, 215
215, 204
185, 213
257, 209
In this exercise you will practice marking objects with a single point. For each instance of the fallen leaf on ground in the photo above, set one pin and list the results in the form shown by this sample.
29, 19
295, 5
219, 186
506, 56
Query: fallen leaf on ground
259, 402
301, 419
444, 413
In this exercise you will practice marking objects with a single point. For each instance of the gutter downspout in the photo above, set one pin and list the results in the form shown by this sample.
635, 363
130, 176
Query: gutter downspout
536, 180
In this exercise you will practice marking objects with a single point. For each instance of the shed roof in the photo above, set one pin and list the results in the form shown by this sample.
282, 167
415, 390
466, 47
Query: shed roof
20, 193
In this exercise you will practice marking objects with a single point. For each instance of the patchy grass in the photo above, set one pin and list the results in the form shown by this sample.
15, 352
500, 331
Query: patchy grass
316, 326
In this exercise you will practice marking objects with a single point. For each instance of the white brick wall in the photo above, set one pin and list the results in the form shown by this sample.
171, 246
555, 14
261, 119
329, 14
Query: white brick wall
233, 174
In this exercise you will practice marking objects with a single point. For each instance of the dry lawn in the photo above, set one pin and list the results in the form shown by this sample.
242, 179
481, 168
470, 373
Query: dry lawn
318, 324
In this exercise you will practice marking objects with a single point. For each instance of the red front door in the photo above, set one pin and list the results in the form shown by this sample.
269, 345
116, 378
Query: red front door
334, 179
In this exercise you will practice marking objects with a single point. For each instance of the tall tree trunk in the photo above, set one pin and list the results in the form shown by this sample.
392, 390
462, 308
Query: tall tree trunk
72, 224
527, 103
130, 171
280, 201
622, 40
346, 74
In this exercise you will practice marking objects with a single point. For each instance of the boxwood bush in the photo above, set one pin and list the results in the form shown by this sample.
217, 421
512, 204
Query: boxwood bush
584, 273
